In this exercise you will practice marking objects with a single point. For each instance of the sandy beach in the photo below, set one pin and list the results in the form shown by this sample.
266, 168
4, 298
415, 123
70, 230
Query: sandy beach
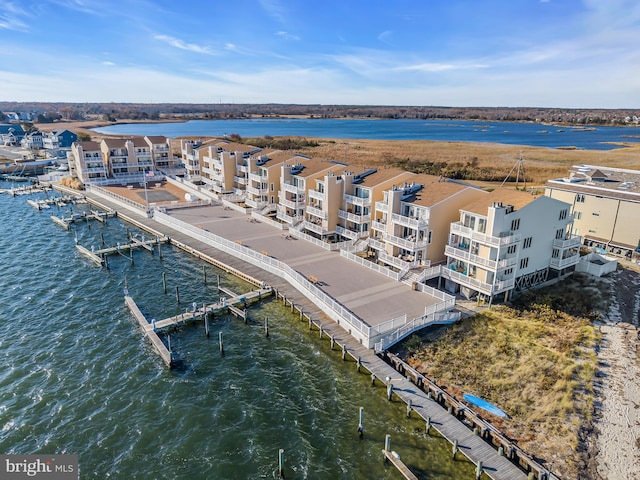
616, 449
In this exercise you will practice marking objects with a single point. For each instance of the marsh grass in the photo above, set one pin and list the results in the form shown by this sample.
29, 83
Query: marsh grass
534, 359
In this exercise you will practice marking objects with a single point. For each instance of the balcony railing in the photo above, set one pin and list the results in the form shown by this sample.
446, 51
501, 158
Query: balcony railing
287, 187
559, 263
395, 261
472, 282
317, 212
254, 177
568, 243
242, 168
363, 202
379, 226
352, 217
314, 227
459, 229
345, 232
461, 254
406, 243
256, 191
282, 215
409, 222
290, 203
382, 207
377, 244
507, 262
240, 180
316, 194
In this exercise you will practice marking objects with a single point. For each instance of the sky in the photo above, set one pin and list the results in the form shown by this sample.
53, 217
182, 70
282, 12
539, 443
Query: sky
466, 53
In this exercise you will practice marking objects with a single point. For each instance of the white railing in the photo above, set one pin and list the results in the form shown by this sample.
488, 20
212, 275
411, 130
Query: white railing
429, 311
462, 254
381, 207
568, 243
459, 229
240, 180
507, 262
287, 187
467, 281
352, 217
363, 202
410, 222
280, 215
316, 194
313, 227
338, 312
558, 263
256, 191
407, 244
395, 261
444, 318
269, 221
254, 177
318, 212
377, 245
291, 204
379, 226
315, 241
119, 199
370, 265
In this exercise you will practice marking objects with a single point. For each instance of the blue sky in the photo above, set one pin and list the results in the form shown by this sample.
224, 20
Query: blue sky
547, 53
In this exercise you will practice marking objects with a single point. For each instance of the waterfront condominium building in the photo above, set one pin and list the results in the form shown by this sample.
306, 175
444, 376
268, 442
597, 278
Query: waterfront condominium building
411, 223
605, 203
363, 189
163, 159
86, 163
127, 159
190, 160
508, 241
297, 176
223, 166
263, 179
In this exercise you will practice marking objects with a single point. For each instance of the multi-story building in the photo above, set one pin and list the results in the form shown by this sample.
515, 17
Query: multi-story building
363, 189
59, 139
190, 158
509, 241
605, 204
411, 223
161, 154
127, 159
324, 201
223, 166
263, 179
87, 163
297, 176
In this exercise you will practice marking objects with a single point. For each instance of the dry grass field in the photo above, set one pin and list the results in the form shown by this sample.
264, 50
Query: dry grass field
535, 359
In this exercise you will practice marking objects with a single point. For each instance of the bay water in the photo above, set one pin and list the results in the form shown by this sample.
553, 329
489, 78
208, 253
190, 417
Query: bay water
78, 376
512, 133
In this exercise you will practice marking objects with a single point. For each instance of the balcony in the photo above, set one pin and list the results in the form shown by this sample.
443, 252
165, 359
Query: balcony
351, 234
352, 217
242, 168
295, 204
94, 169
560, 263
378, 226
460, 278
254, 177
377, 245
316, 212
406, 243
316, 194
255, 204
461, 230
362, 202
461, 254
415, 223
572, 242
283, 216
240, 180
382, 207
313, 227
396, 262
256, 191
287, 187
507, 262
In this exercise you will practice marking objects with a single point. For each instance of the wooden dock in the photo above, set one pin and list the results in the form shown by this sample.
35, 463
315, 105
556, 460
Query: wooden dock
65, 222
151, 329
148, 330
98, 256
394, 458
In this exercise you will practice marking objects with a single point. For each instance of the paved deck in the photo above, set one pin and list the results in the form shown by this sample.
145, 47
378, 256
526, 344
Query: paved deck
373, 297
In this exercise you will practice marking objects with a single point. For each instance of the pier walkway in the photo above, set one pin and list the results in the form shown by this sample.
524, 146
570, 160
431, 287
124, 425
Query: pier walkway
470, 445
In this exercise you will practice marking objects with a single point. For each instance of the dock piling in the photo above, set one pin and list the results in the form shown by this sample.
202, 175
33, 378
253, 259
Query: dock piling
361, 423
387, 443
358, 364
333, 341
344, 352
428, 425
389, 391
177, 295
266, 326
479, 470
281, 463
409, 408
454, 449
220, 342
204, 274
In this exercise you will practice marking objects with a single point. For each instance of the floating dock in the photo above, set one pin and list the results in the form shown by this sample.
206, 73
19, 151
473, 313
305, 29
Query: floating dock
150, 329
98, 256
65, 222
57, 201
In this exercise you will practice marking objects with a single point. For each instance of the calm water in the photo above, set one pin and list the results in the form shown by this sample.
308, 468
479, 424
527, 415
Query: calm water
78, 376
443, 130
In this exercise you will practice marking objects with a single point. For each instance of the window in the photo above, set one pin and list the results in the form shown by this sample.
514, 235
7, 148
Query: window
482, 225
469, 221
429, 237
559, 234
595, 214
579, 198
524, 263
512, 249
577, 215
508, 271
527, 242
515, 224
563, 214
556, 253
272, 187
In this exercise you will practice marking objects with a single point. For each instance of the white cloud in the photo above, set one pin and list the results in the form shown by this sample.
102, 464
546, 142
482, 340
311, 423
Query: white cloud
383, 37
182, 45
287, 36
11, 17
108, 63
275, 10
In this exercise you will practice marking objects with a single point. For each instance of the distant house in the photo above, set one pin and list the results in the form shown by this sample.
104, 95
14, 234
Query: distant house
59, 139
33, 140
10, 134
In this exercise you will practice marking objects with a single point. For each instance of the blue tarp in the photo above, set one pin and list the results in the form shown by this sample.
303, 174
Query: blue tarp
483, 404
